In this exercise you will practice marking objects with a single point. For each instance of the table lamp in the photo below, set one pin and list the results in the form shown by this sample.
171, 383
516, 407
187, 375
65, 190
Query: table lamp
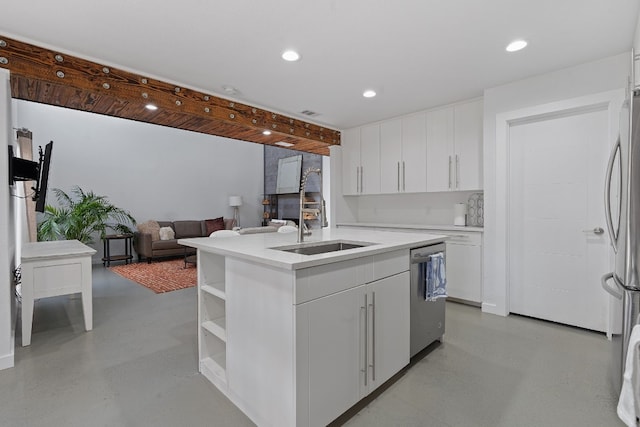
235, 202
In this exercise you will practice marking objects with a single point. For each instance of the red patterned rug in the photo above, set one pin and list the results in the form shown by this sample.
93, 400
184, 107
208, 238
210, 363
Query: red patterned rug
160, 277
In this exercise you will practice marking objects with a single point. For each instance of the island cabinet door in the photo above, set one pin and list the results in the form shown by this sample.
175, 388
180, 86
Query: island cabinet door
388, 328
330, 355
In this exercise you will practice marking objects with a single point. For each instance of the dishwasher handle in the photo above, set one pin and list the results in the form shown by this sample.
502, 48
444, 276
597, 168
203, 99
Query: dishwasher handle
420, 255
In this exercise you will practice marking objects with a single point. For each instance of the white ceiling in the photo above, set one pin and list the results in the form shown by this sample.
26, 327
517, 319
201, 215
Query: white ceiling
415, 53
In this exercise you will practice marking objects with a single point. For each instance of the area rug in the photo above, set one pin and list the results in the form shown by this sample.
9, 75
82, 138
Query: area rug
160, 277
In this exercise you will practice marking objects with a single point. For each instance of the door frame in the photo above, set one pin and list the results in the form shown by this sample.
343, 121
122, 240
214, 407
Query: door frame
611, 101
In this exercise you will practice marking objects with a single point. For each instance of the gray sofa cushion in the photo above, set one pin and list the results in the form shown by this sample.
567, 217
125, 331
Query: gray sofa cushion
165, 244
185, 229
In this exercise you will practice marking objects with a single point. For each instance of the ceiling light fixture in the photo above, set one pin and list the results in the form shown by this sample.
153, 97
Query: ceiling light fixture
151, 107
516, 45
369, 93
266, 132
290, 55
284, 144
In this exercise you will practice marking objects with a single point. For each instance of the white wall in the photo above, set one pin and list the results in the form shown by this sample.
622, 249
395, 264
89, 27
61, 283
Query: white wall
154, 172
7, 235
595, 77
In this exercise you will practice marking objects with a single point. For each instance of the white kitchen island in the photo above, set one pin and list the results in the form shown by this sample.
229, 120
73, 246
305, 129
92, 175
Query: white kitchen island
296, 340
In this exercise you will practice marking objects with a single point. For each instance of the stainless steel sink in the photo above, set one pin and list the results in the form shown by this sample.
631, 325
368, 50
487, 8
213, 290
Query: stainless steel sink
315, 248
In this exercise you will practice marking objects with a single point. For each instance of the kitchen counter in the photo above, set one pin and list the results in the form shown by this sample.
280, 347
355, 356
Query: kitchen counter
412, 226
259, 247
296, 340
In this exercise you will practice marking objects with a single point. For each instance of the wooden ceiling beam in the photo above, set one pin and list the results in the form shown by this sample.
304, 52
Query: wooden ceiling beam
49, 77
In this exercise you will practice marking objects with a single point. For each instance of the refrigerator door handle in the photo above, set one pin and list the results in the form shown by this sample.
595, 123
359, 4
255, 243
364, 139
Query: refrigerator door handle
613, 235
613, 292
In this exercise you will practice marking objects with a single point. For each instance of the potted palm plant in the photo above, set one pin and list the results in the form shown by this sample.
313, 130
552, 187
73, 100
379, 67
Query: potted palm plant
81, 215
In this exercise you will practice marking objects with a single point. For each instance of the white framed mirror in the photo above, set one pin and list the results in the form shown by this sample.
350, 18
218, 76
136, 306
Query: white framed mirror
289, 170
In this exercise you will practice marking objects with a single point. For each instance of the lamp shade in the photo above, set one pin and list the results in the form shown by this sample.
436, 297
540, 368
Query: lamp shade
235, 200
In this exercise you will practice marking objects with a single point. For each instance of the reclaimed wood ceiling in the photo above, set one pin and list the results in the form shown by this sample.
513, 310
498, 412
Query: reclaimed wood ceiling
49, 77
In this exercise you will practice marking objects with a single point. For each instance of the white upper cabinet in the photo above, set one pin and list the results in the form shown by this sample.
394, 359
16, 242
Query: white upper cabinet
440, 150
361, 160
351, 161
370, 159
403, 155
391, 156
414, 153
454, 148
468, 145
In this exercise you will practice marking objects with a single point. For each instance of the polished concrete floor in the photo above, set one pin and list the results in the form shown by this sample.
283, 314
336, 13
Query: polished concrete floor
138, 368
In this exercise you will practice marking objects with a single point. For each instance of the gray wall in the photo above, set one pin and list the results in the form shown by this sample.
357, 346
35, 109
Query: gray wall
154, 172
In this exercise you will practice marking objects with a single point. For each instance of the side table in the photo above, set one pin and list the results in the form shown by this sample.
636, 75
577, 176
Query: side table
55, 268
128, 252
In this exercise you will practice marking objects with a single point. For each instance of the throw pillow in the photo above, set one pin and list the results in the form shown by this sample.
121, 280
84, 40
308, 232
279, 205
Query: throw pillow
167, 233
214, 225
150, 227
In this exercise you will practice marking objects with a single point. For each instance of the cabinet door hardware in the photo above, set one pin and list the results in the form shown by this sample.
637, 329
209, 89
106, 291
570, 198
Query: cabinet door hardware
373, 336
366, 341
457, 172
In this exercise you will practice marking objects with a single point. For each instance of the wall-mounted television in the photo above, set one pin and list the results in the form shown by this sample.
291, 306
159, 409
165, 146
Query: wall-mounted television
288, 179
27, 170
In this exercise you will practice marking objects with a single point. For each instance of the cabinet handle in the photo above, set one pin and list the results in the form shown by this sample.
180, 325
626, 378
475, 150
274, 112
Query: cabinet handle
404, 178
398, 164
457, 171
449, 172
366, 342
373, 336
362, 179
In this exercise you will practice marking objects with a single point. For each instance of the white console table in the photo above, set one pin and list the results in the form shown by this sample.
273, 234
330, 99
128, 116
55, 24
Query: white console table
55, 268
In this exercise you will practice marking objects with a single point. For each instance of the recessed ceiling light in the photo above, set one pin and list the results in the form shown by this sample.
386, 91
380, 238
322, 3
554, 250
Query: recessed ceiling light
266, 132
284, 144
516, 45
369, 93
290, 55
151, 107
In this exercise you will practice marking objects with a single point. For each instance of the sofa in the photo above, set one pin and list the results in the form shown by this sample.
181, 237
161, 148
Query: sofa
149, 246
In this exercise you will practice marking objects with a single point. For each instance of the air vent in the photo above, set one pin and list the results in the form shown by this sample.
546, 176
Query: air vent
309, 113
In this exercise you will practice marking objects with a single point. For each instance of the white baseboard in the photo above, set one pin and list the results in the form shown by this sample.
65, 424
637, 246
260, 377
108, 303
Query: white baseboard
7, 361
493, 309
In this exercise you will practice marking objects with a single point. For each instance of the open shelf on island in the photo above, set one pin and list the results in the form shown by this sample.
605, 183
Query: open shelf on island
215, 290
212, 317
215, 365
216, 327
211, 271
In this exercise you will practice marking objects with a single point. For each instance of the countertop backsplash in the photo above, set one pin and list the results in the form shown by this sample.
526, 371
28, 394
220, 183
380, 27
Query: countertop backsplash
419, 208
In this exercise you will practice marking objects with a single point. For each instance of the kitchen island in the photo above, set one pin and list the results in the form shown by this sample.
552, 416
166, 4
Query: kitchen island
294, 339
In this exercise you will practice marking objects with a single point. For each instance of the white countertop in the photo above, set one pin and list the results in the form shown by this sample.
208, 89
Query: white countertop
413, 226
54, 249
259, 247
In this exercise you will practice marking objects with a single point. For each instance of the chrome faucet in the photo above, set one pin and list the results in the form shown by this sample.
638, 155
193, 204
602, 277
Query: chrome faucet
322, 211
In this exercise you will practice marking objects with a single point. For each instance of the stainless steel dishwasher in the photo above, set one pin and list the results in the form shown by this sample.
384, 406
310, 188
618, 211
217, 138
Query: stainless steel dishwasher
427, 317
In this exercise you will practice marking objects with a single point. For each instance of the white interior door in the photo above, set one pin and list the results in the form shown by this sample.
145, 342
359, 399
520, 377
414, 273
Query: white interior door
556, 183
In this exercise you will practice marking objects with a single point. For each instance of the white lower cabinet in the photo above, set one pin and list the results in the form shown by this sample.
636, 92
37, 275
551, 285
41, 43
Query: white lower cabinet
350, 343
464, 267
